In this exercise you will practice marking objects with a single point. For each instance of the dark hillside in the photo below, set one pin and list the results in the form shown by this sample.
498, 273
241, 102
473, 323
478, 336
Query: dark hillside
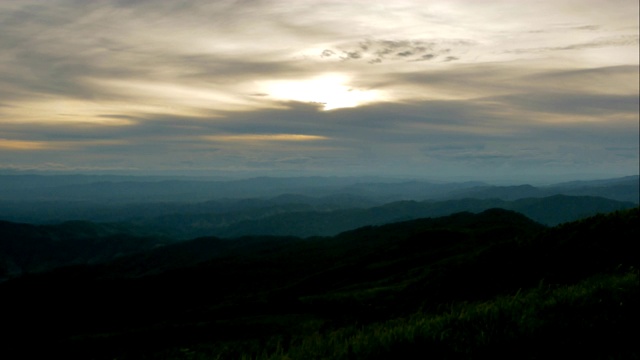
28, 248
550, 210
257, 296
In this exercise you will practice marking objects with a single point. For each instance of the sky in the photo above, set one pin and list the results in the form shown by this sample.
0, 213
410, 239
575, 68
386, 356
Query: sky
456, 89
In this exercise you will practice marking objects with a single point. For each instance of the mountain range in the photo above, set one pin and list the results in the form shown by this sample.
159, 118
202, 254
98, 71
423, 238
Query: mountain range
284, 268
466, 285
288, 206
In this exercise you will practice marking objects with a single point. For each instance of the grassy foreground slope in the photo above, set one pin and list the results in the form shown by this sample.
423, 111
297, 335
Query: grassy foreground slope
595, 318
463, 286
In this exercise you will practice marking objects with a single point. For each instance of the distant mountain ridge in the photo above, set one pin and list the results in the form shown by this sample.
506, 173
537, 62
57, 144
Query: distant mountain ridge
299, 215
303, 222
28, 248
305, 206
621, 189
120, 190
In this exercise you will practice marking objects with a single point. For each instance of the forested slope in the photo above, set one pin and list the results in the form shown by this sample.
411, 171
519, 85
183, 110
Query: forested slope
462, 286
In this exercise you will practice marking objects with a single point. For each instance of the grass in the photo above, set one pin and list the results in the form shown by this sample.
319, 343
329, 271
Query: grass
597, 317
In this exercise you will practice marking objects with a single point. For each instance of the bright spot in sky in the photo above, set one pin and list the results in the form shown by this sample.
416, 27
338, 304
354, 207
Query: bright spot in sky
330, 90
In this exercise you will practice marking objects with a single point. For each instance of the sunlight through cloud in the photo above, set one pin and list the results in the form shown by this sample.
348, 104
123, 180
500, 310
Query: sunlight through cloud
330, 90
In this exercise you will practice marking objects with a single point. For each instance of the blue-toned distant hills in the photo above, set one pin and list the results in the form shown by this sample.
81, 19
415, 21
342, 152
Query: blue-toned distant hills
311, 206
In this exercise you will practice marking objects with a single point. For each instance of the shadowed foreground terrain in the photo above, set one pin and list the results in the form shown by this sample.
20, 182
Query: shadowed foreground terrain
492, 284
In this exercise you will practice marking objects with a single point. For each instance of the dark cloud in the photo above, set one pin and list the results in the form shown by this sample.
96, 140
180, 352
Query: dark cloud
351, 55
377, 51
564, 28
620, 148
573, 103
588, 27
327, 53
585, 78
454, 147
626, 40
446, 134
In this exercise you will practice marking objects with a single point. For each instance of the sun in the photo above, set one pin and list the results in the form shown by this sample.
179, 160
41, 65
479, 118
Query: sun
330, 90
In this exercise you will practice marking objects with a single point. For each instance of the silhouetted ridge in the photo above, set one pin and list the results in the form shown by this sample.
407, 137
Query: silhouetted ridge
28, 248
237, 297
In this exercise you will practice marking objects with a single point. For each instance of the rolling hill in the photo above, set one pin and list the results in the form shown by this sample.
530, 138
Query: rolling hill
466, 285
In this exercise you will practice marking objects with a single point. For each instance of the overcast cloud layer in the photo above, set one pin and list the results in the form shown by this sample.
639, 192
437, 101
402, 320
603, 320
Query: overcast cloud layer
435, 89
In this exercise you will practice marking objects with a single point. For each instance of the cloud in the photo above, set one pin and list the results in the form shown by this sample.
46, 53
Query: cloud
577, 104
264, 137
624, 40
457, 84
375, 51
327, 53
22, 145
